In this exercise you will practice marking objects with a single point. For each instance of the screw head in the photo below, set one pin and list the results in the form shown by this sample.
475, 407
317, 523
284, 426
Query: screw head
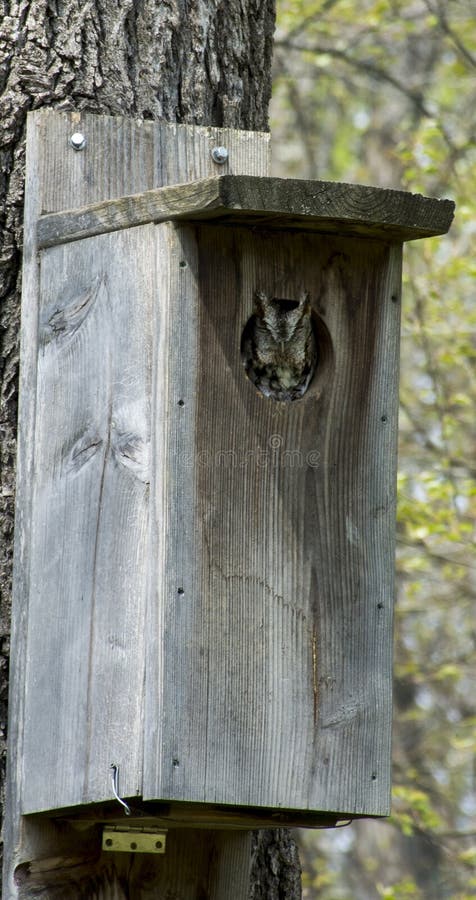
220, 155
78, 141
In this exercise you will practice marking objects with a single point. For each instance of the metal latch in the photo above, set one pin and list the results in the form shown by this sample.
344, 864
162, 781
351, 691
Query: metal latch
130, 839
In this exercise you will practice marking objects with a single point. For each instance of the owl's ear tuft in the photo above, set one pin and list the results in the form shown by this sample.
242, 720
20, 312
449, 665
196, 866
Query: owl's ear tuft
261, 302
305, 301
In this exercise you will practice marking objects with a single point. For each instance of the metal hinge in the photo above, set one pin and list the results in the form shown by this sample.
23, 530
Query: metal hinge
133, 839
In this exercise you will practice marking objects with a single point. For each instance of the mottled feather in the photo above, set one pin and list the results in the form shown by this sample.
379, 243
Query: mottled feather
279, 347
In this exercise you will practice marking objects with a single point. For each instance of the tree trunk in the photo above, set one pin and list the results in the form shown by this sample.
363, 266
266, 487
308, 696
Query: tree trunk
202, 62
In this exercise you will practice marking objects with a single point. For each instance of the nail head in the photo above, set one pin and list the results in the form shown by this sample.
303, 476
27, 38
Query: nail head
219, 155
78, 141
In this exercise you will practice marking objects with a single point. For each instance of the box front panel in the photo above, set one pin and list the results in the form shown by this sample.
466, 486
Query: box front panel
275, 632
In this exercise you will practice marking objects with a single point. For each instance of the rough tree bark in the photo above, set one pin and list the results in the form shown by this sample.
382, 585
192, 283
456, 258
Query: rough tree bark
201, 62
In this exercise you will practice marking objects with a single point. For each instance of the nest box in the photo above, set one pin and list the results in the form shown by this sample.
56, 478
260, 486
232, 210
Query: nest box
206, 509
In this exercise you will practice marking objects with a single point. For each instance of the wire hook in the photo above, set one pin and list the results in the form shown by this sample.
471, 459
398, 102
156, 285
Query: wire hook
115, 788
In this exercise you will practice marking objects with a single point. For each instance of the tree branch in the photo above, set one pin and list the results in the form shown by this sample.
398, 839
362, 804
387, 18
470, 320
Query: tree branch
377, 73
447, 29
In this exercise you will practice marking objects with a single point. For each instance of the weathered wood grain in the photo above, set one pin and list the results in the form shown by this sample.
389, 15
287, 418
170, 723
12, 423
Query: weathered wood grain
123, 156
89, 554
198, 863
275, 524
174, 518
275, 202
127, 156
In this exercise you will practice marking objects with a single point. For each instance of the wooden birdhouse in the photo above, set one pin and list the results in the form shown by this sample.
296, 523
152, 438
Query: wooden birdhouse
206, 506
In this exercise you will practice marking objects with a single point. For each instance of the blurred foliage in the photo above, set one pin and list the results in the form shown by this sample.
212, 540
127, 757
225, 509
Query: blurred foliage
384, 93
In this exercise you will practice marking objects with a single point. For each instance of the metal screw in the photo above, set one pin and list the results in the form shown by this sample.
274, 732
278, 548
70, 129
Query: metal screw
78, 141
220, 155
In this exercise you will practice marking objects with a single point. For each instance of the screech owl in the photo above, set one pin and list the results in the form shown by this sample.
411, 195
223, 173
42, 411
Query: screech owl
279, 347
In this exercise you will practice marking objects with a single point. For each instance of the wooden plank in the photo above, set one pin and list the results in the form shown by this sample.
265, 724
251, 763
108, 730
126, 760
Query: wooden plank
165, 814
123, 157
174, 520
210, 864
70, 275
275, 680
231, 865
127, 156
274, 203
89, 553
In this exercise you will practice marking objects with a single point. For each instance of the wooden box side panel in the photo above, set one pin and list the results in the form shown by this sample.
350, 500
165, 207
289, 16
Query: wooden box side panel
89, 538
175, 562
276, 659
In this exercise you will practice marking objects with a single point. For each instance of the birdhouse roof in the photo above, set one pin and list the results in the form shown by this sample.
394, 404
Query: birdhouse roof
263, 203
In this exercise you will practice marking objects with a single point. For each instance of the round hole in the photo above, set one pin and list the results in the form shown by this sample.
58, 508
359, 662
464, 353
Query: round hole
374, 777
181, 403
158, 845
300, 382
108, 842
180, 591
175, 763
383, 418
183, 264
133, 845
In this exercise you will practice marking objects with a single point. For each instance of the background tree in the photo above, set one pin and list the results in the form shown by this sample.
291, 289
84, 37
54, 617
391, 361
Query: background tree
199, 62
384, 92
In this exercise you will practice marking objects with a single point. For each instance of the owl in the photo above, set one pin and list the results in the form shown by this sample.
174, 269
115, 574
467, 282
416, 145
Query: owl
279, 347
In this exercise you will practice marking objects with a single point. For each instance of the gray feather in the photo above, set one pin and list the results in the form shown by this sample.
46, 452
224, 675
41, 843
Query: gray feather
279, 347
